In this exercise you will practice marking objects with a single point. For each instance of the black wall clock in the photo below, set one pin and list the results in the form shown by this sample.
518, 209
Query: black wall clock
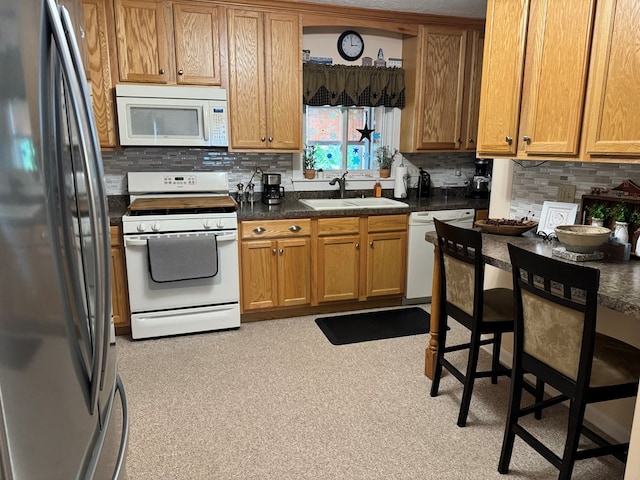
350, 45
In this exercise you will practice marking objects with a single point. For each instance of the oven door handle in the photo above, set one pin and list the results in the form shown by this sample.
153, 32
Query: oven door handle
142, 242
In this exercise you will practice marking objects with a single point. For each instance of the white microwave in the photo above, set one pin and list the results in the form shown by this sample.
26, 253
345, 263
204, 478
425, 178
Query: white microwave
161, 115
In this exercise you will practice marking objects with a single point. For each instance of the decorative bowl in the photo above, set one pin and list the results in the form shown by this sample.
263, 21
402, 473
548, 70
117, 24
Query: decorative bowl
505, 226
582, 238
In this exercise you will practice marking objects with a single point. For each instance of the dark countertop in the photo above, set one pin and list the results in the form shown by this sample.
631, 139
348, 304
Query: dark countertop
440, 199
619, 280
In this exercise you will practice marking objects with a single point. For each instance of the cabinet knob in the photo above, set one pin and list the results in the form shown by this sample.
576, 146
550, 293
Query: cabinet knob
295, 228
459, 140
508, 139
274, 251
162, 71
180, 72
271, 139
526, 138
371, 244
259, 230
282, 251
471, 140
357, 246
262, 139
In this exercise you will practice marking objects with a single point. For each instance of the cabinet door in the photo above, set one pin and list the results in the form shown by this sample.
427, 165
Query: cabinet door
197, 42
338, 268
259, 274
294, 272
440, 121
98, 17
283, 74
557, 61
386, 263
119, 292
475, 47
614, 102
142, 41
502, 71
247, 96
78, 20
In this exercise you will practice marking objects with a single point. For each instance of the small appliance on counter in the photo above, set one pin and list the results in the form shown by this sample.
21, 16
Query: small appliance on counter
424, 183
272, 192
480, 185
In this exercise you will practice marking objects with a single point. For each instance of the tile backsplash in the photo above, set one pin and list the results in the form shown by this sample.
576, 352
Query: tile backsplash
534, 182
442, 167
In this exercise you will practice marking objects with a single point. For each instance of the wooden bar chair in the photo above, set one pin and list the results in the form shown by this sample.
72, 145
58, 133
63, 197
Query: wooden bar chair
556, 340
464, 300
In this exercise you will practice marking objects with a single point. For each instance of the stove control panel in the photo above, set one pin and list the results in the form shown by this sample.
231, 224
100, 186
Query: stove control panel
180, 180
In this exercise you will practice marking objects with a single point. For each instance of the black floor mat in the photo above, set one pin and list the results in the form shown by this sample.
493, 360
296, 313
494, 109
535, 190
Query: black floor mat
364, 327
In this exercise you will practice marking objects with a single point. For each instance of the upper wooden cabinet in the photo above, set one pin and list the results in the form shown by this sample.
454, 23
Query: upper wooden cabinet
142, 41
532, 99
163, 42
265, 80
197, 40
612, 120
100, 40
440, 81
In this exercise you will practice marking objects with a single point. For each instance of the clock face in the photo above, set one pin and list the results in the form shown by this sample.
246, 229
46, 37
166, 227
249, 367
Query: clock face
350, 45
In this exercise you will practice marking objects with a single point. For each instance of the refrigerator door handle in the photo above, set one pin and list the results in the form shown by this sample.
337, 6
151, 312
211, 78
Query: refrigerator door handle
125, 428
103, 250
65, 43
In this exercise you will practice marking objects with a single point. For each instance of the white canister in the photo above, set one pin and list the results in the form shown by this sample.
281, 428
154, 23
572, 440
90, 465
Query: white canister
621, 232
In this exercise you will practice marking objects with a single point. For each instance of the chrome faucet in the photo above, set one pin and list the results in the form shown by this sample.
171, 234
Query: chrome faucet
341, 182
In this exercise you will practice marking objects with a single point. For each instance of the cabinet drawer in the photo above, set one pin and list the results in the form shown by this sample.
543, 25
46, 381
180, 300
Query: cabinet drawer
295, 227
387, 223
338, 226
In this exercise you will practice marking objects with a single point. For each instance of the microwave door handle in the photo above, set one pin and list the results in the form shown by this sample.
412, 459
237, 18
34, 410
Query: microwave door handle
79, 109
97, 190
205, 123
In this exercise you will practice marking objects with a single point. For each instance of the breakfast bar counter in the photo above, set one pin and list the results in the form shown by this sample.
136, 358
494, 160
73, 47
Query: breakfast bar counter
619, 281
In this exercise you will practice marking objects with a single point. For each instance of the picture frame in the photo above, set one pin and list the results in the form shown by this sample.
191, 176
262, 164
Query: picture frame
556, 213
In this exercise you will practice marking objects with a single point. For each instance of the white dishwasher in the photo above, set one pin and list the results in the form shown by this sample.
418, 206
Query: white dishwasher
421, 253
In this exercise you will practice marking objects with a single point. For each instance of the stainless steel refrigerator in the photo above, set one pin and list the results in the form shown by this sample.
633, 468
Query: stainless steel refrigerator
63, 411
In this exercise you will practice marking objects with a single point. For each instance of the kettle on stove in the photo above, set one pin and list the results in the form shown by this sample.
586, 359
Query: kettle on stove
424, 183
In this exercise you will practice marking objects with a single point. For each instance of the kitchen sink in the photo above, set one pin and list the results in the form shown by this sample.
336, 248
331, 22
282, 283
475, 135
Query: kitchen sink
350, 203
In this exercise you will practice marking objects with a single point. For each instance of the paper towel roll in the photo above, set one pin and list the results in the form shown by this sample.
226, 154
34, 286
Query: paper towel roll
400, 186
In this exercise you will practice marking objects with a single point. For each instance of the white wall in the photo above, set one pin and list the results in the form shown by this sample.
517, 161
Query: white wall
323, 41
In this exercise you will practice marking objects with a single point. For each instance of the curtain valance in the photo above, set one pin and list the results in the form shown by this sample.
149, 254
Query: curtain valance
353, 86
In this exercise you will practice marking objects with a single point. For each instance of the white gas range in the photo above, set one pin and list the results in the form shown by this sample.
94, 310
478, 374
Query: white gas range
181, 249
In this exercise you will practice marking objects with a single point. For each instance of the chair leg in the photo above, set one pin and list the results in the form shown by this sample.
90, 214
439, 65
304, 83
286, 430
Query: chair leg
437, 371
517, 379
576, 416
539, 397
470, 377
495, 361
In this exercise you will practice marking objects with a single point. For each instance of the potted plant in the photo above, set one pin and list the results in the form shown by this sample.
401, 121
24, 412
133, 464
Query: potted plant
620, 213
384, 158
598, 212
309, 161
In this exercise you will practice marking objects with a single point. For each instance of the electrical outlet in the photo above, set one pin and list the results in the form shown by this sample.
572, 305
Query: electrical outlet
566, 193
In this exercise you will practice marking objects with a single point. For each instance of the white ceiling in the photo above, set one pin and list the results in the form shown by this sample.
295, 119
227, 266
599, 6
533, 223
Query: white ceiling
456, 8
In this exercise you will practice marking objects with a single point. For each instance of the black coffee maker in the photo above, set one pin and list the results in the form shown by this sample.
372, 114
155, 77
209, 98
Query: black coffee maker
272, 192
424, 183
480, 185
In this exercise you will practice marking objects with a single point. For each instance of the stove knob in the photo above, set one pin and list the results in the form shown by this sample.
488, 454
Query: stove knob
220, 223
155, 227
207, 224
141, 227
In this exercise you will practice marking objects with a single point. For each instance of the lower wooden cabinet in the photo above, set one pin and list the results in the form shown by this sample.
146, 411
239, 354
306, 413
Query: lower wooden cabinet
119, 290
287, 263
275, 263
386, 255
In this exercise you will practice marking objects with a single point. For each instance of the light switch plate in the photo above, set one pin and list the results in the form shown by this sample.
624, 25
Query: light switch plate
566, 192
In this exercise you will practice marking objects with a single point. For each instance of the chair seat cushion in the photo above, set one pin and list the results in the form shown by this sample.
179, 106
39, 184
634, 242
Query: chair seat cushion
614, 362
498, 305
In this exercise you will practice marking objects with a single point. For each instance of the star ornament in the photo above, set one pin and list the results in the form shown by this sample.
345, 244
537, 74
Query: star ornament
366, 131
